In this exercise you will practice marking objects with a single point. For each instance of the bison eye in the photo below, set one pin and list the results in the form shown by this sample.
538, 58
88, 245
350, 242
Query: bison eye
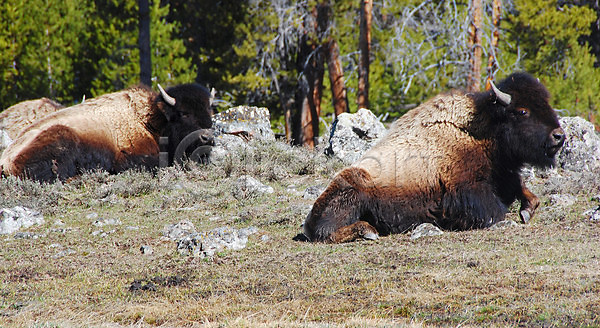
523, 112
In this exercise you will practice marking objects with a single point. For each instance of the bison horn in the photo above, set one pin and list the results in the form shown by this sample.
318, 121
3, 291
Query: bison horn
168, 99
504, 98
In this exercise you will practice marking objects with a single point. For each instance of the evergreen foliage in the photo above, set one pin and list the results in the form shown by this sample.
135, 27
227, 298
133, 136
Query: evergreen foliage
66, 49
546, 34
248, 50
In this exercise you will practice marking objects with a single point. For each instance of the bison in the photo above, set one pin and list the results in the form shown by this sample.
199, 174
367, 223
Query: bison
454, 161
113, 132
18, 117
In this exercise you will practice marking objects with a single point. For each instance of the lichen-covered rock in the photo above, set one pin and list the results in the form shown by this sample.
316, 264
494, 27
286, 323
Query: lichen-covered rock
352, 135
207, 243
178, 230
236, 126
244, 122
13, 219
425, 230
503, 225
581, 151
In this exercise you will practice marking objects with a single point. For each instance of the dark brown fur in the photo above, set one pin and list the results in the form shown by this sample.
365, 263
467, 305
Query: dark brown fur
113, 132
453, 161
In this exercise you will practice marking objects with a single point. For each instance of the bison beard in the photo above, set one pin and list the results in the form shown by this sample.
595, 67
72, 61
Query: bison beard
453, 161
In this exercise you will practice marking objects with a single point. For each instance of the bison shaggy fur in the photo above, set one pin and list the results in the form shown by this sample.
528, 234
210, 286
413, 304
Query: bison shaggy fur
454, 161
113, 132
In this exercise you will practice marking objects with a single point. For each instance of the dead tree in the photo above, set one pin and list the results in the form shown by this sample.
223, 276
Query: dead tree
336, 78
476, 13
364, 46
492, 58
316, 46
311, 65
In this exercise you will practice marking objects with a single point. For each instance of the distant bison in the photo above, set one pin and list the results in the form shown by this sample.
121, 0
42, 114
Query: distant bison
454, 161
18, 117
113, 132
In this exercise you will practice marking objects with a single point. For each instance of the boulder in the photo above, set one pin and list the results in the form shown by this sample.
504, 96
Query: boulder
13, 219
245, 122
351, 135
236, 126
206, 244
581, 151
178, 230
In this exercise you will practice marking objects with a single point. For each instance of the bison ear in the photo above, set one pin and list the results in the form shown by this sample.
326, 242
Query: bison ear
503, 98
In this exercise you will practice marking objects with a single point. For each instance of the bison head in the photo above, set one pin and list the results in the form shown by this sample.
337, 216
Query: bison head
187, 109
527, 127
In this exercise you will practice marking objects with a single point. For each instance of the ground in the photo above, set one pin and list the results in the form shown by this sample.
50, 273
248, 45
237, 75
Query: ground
542, 274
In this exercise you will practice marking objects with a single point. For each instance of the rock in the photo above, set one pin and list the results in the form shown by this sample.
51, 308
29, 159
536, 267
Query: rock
247, 186
562, 200
206, 244
425, 230
28, 235
581, 150
103, 233
313, 192
504, 224
146, 250
11, 220
236, 126
245, 122
352, 135
179, 230
593, 214
102, 222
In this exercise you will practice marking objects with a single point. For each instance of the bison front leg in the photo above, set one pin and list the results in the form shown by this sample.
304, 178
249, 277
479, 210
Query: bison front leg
336, 214
360, 229
529, 203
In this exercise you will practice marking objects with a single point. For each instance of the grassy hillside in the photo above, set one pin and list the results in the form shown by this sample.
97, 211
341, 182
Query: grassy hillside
68, 273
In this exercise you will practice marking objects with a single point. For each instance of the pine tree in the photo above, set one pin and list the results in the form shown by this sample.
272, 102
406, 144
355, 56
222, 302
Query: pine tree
546, 34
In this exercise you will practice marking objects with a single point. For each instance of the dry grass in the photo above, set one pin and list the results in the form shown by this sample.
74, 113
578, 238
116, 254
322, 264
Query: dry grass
545, 274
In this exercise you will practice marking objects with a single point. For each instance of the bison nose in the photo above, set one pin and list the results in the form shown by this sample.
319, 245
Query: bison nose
559, 136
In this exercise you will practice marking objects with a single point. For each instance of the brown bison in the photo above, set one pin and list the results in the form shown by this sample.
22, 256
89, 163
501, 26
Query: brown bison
113, 132
454, 161
18, 117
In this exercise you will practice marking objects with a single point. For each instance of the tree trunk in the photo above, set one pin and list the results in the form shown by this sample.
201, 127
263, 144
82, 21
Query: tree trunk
336, 77
364, 47
492, 59
473, 82
144, 43
308, 99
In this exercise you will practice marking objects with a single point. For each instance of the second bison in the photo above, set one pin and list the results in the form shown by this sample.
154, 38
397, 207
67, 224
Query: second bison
113, 132
454, 161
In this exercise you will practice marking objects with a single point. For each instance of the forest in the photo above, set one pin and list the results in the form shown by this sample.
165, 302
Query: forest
307, 60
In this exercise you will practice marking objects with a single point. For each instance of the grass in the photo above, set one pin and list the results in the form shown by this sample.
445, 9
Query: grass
544, 274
